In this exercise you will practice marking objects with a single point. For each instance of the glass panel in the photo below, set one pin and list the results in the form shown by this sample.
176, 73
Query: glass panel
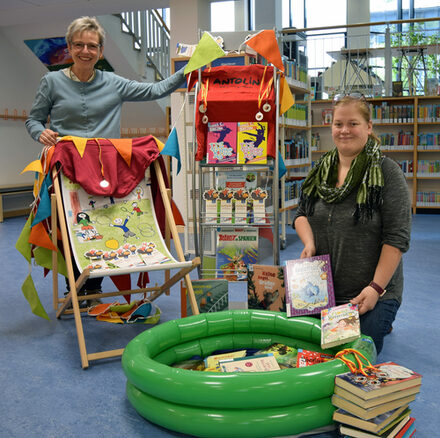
223, 16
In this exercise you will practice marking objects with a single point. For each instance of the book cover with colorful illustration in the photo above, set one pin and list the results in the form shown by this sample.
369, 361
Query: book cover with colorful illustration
285, 356
211, 296
388, 378
252, 143
309, 285
265, 288
250, 364
221, 143
306, 358
113, 233
236, 250
339, 325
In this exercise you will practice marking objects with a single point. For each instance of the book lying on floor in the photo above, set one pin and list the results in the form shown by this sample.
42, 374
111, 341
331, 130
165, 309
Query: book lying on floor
374, 425
369, 413
370, 403
309, 285
404, 429
339, 325
389, 377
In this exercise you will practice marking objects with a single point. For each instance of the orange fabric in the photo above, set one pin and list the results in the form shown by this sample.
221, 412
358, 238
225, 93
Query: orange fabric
40, 237
265, 43
124, 146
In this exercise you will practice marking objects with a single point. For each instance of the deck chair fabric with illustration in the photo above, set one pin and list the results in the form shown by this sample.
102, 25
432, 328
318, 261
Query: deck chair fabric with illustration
113, 206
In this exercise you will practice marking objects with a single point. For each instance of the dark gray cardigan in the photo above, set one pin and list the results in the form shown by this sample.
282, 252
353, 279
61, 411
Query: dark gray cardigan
355, 248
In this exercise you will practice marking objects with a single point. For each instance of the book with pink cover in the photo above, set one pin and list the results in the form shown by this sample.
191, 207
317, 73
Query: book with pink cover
221, 142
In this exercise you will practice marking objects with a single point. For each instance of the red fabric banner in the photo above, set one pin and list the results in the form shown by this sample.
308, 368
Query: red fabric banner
235, 94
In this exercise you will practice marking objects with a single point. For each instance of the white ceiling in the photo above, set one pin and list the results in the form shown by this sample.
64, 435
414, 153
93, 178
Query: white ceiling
14, 12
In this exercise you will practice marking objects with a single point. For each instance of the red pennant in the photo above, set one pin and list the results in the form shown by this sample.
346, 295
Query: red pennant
265, 43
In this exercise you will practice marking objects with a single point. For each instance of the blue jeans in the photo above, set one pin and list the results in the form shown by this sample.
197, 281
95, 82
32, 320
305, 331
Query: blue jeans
378, 322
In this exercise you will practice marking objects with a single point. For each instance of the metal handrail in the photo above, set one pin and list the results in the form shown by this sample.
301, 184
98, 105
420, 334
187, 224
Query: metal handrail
151, 36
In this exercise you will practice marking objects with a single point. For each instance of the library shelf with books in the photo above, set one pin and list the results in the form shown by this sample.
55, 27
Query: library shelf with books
294, 143
409, 129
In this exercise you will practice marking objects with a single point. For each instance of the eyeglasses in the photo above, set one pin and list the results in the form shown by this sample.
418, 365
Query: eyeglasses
354, 96
91, 47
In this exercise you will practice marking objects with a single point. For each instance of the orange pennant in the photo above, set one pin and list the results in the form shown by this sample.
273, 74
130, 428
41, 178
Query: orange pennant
124, 146
265, 43
40, 237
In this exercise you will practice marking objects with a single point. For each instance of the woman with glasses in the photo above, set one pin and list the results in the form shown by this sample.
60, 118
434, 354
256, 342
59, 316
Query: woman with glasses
355, 206
85, 102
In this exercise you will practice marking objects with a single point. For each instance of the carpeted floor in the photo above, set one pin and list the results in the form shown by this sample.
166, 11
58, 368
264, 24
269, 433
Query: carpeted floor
45, 393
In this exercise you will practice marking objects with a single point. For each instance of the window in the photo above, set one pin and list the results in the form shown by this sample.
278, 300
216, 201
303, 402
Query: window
223, 16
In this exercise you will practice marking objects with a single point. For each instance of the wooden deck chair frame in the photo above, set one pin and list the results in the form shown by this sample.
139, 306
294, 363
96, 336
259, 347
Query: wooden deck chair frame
60, 304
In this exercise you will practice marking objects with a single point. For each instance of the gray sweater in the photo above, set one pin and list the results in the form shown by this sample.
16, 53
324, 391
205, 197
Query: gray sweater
355, 248
90, 109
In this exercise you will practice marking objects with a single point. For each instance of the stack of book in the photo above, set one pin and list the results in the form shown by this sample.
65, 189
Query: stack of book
376, 405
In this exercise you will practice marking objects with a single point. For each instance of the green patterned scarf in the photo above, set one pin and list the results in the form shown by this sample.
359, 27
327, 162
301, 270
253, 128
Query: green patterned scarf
365, 174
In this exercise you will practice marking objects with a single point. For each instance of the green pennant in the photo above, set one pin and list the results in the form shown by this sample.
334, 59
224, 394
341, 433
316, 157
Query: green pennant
30, 293
206, 51
43, 257
23, 246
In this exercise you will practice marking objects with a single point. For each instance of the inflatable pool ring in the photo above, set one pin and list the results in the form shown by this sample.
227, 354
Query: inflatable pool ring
209, 404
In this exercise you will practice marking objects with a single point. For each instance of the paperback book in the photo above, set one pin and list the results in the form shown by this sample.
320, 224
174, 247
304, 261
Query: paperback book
284, 355
250, 364
404, 429
221, 143
339, 325
389, 378
368, 414
236, 250
265, 288
252, 143
376, 424
306, 358
309, 285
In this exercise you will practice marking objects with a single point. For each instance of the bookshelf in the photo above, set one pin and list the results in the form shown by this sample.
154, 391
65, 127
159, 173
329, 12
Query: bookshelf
409, 128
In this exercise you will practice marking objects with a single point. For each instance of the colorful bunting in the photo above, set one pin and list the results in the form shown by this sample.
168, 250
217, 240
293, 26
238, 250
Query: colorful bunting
30, 293
79, 142
124, 146
206, 51
265, 43
171, 148
22, 244
286, 97
35, 166
44, 207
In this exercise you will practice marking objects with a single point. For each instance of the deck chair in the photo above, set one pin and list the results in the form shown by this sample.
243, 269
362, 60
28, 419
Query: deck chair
96, 234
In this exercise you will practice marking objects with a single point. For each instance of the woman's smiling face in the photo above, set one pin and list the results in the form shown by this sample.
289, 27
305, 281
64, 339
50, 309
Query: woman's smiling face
350, 130
85, 49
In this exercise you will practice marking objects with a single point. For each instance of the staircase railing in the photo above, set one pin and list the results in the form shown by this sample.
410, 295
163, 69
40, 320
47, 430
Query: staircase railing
151, 37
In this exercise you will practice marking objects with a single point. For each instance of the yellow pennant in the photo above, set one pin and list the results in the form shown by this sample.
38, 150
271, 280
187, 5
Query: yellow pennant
35, 166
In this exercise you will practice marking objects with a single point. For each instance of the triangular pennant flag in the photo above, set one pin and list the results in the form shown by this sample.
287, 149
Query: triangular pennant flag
286, 99
31, 295
43, 257
171, 148
22, 244
35, 166
281, 166
205, 52
79, 142
265, 43
44, 206
125, 147
40, 237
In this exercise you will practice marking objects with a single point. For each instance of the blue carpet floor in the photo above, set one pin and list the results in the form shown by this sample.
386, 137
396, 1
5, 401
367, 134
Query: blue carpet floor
45, 393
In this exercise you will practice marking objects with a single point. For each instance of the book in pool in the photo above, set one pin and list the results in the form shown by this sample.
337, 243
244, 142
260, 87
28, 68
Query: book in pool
339, 325
284, 355
309, 285
250, 364
389, 377
306, 358
374, 425
369, 413
265, 288
404, 429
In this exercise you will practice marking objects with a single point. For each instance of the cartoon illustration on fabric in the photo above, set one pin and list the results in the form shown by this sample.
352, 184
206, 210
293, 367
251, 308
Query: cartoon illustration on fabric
112, 233
252, 143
